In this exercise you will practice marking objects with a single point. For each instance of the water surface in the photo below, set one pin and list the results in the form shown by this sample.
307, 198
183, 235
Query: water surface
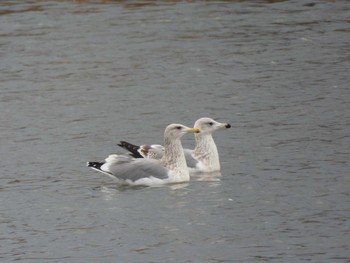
77, 77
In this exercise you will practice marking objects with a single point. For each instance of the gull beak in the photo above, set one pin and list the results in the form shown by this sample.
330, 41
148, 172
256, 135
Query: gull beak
225, 126
193, 130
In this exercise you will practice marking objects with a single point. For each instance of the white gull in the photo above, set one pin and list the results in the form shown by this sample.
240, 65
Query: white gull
203, 158
171, 168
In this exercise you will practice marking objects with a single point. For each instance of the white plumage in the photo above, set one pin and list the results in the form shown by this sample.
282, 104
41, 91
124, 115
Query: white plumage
203, 158
171, 168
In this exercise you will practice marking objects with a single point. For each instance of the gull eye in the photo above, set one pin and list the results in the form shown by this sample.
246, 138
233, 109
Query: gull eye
211, 123
178, 127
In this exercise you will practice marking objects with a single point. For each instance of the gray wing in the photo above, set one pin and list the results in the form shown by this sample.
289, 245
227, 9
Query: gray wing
191, 162
126, 168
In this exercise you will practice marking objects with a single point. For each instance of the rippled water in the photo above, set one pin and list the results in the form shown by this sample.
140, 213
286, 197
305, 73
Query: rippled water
77, 77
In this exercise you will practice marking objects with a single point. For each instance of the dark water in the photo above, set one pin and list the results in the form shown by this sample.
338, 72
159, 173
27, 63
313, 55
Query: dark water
77, 77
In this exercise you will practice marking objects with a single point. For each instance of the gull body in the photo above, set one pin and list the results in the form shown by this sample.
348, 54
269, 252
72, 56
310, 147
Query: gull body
171, 168
203, 158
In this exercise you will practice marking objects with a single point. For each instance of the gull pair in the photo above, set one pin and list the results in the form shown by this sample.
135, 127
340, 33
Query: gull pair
155, 164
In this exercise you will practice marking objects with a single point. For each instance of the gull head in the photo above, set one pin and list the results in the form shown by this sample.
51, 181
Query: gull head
208, 125
178, 130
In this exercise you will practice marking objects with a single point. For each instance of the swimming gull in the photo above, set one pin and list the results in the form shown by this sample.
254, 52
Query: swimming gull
203, 158
171, 168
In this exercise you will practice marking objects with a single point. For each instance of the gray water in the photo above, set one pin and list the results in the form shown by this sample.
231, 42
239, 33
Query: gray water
77, 77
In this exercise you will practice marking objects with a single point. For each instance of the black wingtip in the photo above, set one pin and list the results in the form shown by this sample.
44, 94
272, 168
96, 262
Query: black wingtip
96, 165
127, 145
132, 148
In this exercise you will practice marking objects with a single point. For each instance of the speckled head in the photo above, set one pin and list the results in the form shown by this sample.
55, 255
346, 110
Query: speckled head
208, 125
178, 130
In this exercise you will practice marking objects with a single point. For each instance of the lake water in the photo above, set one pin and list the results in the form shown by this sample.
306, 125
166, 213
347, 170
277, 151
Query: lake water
78, 76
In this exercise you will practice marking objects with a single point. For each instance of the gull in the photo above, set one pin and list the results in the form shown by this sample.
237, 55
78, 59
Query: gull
203, 158
171, 168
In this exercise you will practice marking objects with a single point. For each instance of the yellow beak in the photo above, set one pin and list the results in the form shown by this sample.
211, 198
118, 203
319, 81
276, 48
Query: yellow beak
193, 130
